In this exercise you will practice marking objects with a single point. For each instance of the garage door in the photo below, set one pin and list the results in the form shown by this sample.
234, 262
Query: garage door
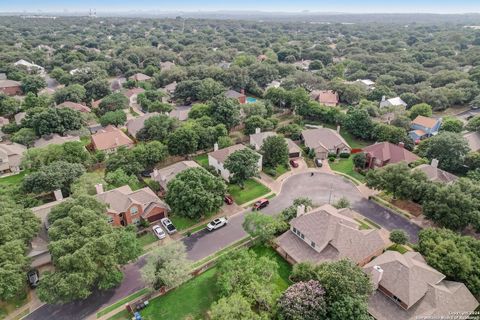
156, 217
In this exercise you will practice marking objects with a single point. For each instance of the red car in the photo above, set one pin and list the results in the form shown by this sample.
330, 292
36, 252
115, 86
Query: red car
228, 199
260, 204
294, 163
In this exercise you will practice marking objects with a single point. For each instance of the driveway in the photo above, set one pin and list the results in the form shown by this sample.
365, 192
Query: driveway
320, 187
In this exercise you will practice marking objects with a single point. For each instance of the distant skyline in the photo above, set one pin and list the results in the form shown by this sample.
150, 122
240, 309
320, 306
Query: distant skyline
152, 6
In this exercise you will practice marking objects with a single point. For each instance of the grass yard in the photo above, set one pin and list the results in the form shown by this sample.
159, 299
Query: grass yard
182, 223
279, 170
11, 305
147, 238
122, 315
202, 160
13, 180
252, 190
282, 281
398, 247
346, 166
121, 302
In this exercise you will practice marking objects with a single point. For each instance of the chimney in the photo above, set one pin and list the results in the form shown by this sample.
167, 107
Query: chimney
383, 98
338, 129
434, 163
258, 130
300, 210
376, 276
117, 142
215, 146
99, 188
401, 144
242, 91
58, 195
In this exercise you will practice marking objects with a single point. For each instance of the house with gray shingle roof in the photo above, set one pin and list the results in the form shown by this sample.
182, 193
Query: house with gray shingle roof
407, 288
217, 158
325, 141
435, 174
257, 139
164, 175
136, 124
329, 234
473, 140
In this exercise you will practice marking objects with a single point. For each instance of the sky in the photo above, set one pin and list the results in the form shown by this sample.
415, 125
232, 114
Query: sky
347, 6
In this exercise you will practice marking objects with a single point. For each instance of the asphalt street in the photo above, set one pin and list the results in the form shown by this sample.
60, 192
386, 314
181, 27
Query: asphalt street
321, 188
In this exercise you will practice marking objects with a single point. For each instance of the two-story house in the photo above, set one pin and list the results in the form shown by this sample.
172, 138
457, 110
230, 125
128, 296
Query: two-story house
125, 206
424, 127
217, 158
383, 153
164, 175
328, 234
325, 142
407, 288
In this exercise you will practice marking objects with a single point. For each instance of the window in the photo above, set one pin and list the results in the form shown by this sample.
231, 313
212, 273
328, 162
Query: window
312, 244
294, 230
133, 210
302, 235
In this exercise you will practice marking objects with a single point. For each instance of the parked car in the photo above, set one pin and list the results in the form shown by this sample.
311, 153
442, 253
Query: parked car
168, 225
260, 204
33, 278
228, 199
217, 223
158, 231
294, 163
319, 163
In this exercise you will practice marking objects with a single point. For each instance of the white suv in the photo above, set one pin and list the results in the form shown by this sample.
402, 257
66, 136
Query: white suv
168, 225
217, 223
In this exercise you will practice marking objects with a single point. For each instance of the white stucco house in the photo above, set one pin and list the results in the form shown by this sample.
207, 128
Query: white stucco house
217, 158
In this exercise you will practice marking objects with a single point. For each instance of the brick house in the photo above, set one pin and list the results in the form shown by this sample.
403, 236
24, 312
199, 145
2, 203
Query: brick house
240, 96
110, 138
326, 97
325, 141
125, 207
383, 153
10, 87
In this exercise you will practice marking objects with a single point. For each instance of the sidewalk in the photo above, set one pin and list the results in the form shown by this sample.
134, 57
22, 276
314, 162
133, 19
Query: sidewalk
32, 304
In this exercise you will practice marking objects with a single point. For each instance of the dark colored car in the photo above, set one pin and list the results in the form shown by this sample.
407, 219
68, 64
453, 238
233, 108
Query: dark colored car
228, 199
33, 278
260, 204
294, 163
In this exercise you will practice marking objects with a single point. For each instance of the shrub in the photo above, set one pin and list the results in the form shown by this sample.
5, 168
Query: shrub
270, 171
331, 158
344, 155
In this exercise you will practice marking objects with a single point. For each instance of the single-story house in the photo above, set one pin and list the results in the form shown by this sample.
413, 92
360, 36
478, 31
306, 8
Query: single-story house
366, 83
30, 66
435, 174
139, 77
110, 139
136, 124
329, 234
74, 106
473, 139
167, 65
325, 141
256, 140
54, 139
170, 88
180, 113
217, 158
10, 87
164, 175
11, 155
383, 153
407, 288
424, 127
392, 102
132, 94
240, 96
326, 97
125, 207
273, 84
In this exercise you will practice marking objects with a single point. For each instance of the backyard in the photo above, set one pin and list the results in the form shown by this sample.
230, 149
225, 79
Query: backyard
202, 160
251, 190
346, 166
12, 180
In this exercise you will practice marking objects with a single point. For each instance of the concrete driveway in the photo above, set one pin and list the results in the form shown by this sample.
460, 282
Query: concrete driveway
321, 188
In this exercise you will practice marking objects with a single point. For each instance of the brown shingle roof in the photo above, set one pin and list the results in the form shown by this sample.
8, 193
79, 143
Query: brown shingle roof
140, 77
134, 91
473, 139
327, 97
436, 174
9, 83
54, 139
425, 121
234, 94
391, 153
324, 138
110, 138
222, 154
136, 124
164, 175
74, 106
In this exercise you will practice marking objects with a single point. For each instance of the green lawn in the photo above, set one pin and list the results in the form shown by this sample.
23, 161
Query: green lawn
85, 140
182, 223
251, 191
15, 179
282, 282
147, 238
122, 315
121, 302
346, 166
397, 247
279, 170
202, 160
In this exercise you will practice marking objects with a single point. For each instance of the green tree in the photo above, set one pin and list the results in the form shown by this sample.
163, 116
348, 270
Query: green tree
262, 227
116, 118
291, 212
96, 89
73, 93
254, 122
195, 192
157, 128
150, 153
167, 266
112, 102
208, 89
358, 123
448, 148
473, 124
274, 151
398, 236
234, 306
224, 142
341, 203
303, 300
126, 160
55, 120
243, 165
421, 109
452, 124
25, 136
119, 178
360, 160
33, 84
226, 111
183, 141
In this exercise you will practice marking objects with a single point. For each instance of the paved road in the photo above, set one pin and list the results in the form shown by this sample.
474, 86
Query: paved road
321, 188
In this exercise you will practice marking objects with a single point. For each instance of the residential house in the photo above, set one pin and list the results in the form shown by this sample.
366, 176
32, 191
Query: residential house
180, 113
392, 102
74, 106
473, 139
11, 157
435, 174
383, 153
257, 139
302, 65
240, 96
125, 206
19, 117
326, 97
10, 87
170, 88
366, 83
31, 67
167, 65
110, 138
54, 139
136, 124
407, 288
164, 175
325, 141
217, 158
329, 234
139, 77
424, 127
3, 122
273, 84
132, 95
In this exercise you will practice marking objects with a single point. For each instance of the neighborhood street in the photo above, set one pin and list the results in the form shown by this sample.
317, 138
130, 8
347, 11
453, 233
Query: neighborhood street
321, 188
